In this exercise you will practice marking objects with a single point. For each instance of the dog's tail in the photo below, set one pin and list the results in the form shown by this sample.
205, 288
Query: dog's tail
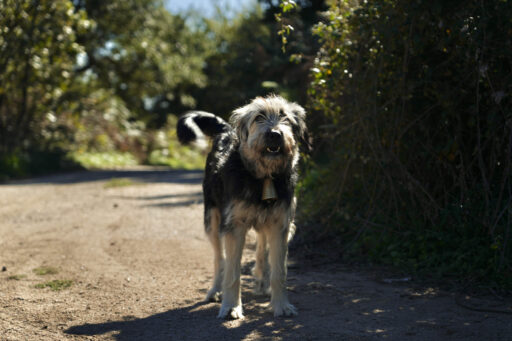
194, 125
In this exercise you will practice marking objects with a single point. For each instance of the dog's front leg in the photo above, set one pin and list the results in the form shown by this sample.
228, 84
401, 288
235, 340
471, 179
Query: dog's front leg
231, 297
261, 268
278, 242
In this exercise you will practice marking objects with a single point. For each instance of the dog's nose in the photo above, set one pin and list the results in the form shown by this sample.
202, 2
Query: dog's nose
274, 137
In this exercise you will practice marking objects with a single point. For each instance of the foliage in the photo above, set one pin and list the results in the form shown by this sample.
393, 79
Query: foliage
169, 152
286, 29
295, 21
244, 58
35, 162
37, 52
148, 58
98, 160
248, 60
105, 126
412, 103
91, 76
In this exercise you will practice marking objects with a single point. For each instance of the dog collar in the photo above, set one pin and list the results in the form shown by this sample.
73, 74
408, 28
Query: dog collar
269, 190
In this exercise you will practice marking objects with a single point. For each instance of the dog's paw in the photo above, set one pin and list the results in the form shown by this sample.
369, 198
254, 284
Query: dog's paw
284, 309
213, 295
227, 312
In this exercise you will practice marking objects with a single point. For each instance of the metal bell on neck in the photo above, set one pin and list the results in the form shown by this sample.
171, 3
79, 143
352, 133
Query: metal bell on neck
269, 190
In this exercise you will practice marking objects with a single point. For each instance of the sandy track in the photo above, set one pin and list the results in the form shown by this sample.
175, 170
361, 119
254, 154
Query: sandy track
140, 266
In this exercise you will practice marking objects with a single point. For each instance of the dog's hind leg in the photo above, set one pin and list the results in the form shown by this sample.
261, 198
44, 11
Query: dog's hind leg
212, 222
261, 268
231, 295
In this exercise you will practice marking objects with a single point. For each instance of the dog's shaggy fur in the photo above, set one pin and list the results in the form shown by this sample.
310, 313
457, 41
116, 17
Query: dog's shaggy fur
261, 143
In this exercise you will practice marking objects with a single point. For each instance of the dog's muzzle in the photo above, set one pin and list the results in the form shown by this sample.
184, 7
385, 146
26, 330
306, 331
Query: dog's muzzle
274, 142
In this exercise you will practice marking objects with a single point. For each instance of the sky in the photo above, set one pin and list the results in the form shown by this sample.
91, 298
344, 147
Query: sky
206, 7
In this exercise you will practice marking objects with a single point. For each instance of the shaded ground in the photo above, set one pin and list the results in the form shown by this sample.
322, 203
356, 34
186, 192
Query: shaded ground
140, 267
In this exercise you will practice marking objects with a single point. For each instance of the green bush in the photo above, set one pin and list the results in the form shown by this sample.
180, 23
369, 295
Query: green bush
412, 103
35, 162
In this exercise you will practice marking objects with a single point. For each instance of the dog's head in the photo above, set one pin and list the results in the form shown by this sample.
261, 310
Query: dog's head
270, 130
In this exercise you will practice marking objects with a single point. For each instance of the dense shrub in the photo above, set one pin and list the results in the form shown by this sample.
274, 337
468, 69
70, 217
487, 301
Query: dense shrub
35, 162
412, 103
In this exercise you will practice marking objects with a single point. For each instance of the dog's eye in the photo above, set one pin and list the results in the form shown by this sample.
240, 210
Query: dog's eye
260, 118
282, 116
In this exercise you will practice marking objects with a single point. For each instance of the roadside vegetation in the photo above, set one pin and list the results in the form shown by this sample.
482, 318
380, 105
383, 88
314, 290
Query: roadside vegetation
411, 104
408, 102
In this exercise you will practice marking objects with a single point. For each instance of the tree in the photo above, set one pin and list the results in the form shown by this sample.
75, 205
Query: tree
37, 53
248, 60
61, 60
147, 56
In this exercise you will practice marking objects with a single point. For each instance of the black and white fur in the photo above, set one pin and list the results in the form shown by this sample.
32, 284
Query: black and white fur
261, 141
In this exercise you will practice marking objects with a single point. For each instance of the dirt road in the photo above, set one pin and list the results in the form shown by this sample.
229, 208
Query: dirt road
132, 263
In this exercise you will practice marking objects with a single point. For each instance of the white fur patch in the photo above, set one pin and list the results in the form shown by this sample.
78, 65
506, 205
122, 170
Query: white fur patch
200, 140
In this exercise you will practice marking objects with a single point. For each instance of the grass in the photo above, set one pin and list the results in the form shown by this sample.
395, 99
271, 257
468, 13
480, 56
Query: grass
93, 160
120, 182
176, 155
45, 270
183, 157
16, 277
55, 285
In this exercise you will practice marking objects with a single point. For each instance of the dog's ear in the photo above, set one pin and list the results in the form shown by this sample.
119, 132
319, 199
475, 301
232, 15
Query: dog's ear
300, 129
238, 121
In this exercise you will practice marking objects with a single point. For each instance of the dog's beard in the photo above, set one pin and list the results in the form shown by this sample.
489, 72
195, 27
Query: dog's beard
264, 159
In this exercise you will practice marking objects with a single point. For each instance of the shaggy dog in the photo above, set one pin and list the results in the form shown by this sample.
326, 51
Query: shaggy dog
250, 177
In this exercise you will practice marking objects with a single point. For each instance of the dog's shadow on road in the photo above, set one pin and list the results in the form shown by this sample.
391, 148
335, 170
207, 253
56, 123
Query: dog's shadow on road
194, 322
